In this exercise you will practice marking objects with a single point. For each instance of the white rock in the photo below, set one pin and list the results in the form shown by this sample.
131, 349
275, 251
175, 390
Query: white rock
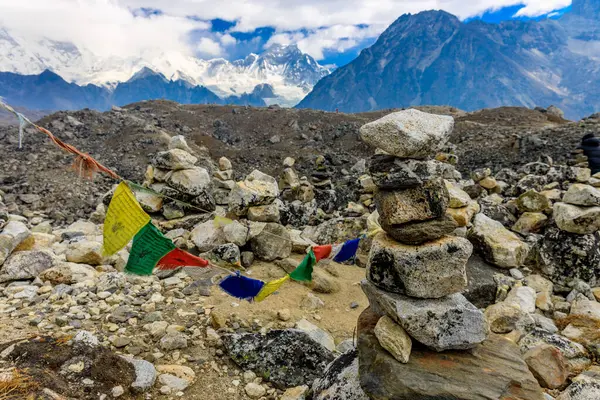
394, 339
254, 390
522, 296
194, 181
409, 133
576, 219
498, 245
13, 234
85, 252
256, 190
317, 334
582, 195
174, 159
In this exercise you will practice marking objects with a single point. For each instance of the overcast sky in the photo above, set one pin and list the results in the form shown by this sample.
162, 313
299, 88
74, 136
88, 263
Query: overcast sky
329, 30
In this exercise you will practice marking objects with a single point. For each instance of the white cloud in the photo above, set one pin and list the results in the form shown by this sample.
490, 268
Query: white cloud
209, 47
109, 27
227, 40
103, 27
335, 38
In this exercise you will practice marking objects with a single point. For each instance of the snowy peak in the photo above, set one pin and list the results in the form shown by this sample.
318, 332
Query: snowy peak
147, 73
290, 73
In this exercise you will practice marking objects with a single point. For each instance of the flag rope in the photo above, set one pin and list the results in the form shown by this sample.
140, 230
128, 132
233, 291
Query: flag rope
87, 166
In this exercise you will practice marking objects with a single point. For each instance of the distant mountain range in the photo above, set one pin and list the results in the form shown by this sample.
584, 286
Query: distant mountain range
434, 58
51, 75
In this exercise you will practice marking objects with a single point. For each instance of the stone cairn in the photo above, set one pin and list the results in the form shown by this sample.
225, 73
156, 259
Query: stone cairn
223, 182
174, 173
416, 269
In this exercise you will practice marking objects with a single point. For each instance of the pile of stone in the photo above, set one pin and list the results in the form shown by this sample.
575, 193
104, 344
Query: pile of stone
173, 173
415, 275
299, 207
416, 271
223, 182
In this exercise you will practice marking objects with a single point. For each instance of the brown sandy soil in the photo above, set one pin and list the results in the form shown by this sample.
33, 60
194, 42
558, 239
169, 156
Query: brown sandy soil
215, 373
336, 317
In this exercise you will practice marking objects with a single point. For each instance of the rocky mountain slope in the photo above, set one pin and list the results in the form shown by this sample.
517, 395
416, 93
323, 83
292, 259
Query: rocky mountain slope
123, 139
290, 73
433, 58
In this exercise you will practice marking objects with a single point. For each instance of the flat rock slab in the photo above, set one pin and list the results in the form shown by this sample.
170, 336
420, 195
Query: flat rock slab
492, 370
448, 323
287, 358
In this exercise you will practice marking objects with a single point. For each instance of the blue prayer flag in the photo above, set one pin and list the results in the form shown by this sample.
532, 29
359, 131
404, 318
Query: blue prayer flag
348, 251
241, 287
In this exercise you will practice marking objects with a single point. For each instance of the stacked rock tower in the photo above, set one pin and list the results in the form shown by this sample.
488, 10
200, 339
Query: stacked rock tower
417, 269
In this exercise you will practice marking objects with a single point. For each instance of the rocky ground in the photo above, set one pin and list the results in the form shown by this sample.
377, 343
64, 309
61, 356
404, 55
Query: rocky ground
504, 260
124, 139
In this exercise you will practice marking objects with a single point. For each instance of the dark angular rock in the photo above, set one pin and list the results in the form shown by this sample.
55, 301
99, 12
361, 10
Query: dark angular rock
492, 370
481, 289
287, 358
563, 257
422, 203
421, 232
500, 213
340, 380
392, 173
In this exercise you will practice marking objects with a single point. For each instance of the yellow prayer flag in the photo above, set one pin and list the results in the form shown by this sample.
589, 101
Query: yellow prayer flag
270, 288
220, 222
124, 219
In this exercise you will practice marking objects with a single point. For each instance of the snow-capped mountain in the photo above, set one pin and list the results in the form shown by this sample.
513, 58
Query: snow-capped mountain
291, 73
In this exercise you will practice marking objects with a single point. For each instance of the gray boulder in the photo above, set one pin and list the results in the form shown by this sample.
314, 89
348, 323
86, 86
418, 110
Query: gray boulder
287, 358
493, 370
340, 380
194, 181
12, 235
441, 324
174, 159
431, 270
145, 374
206, 236
409, 133
26, 265
257, 189
274, 242
336, 230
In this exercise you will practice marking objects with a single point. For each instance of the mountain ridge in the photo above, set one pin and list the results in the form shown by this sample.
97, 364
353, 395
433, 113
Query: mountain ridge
434, 58
49, 91
291, 72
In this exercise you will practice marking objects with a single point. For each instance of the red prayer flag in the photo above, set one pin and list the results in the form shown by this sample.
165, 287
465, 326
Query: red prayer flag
322, 252
179, 258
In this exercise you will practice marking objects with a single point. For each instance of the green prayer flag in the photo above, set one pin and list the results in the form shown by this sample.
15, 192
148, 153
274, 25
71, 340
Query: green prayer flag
304, 271
149, 246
